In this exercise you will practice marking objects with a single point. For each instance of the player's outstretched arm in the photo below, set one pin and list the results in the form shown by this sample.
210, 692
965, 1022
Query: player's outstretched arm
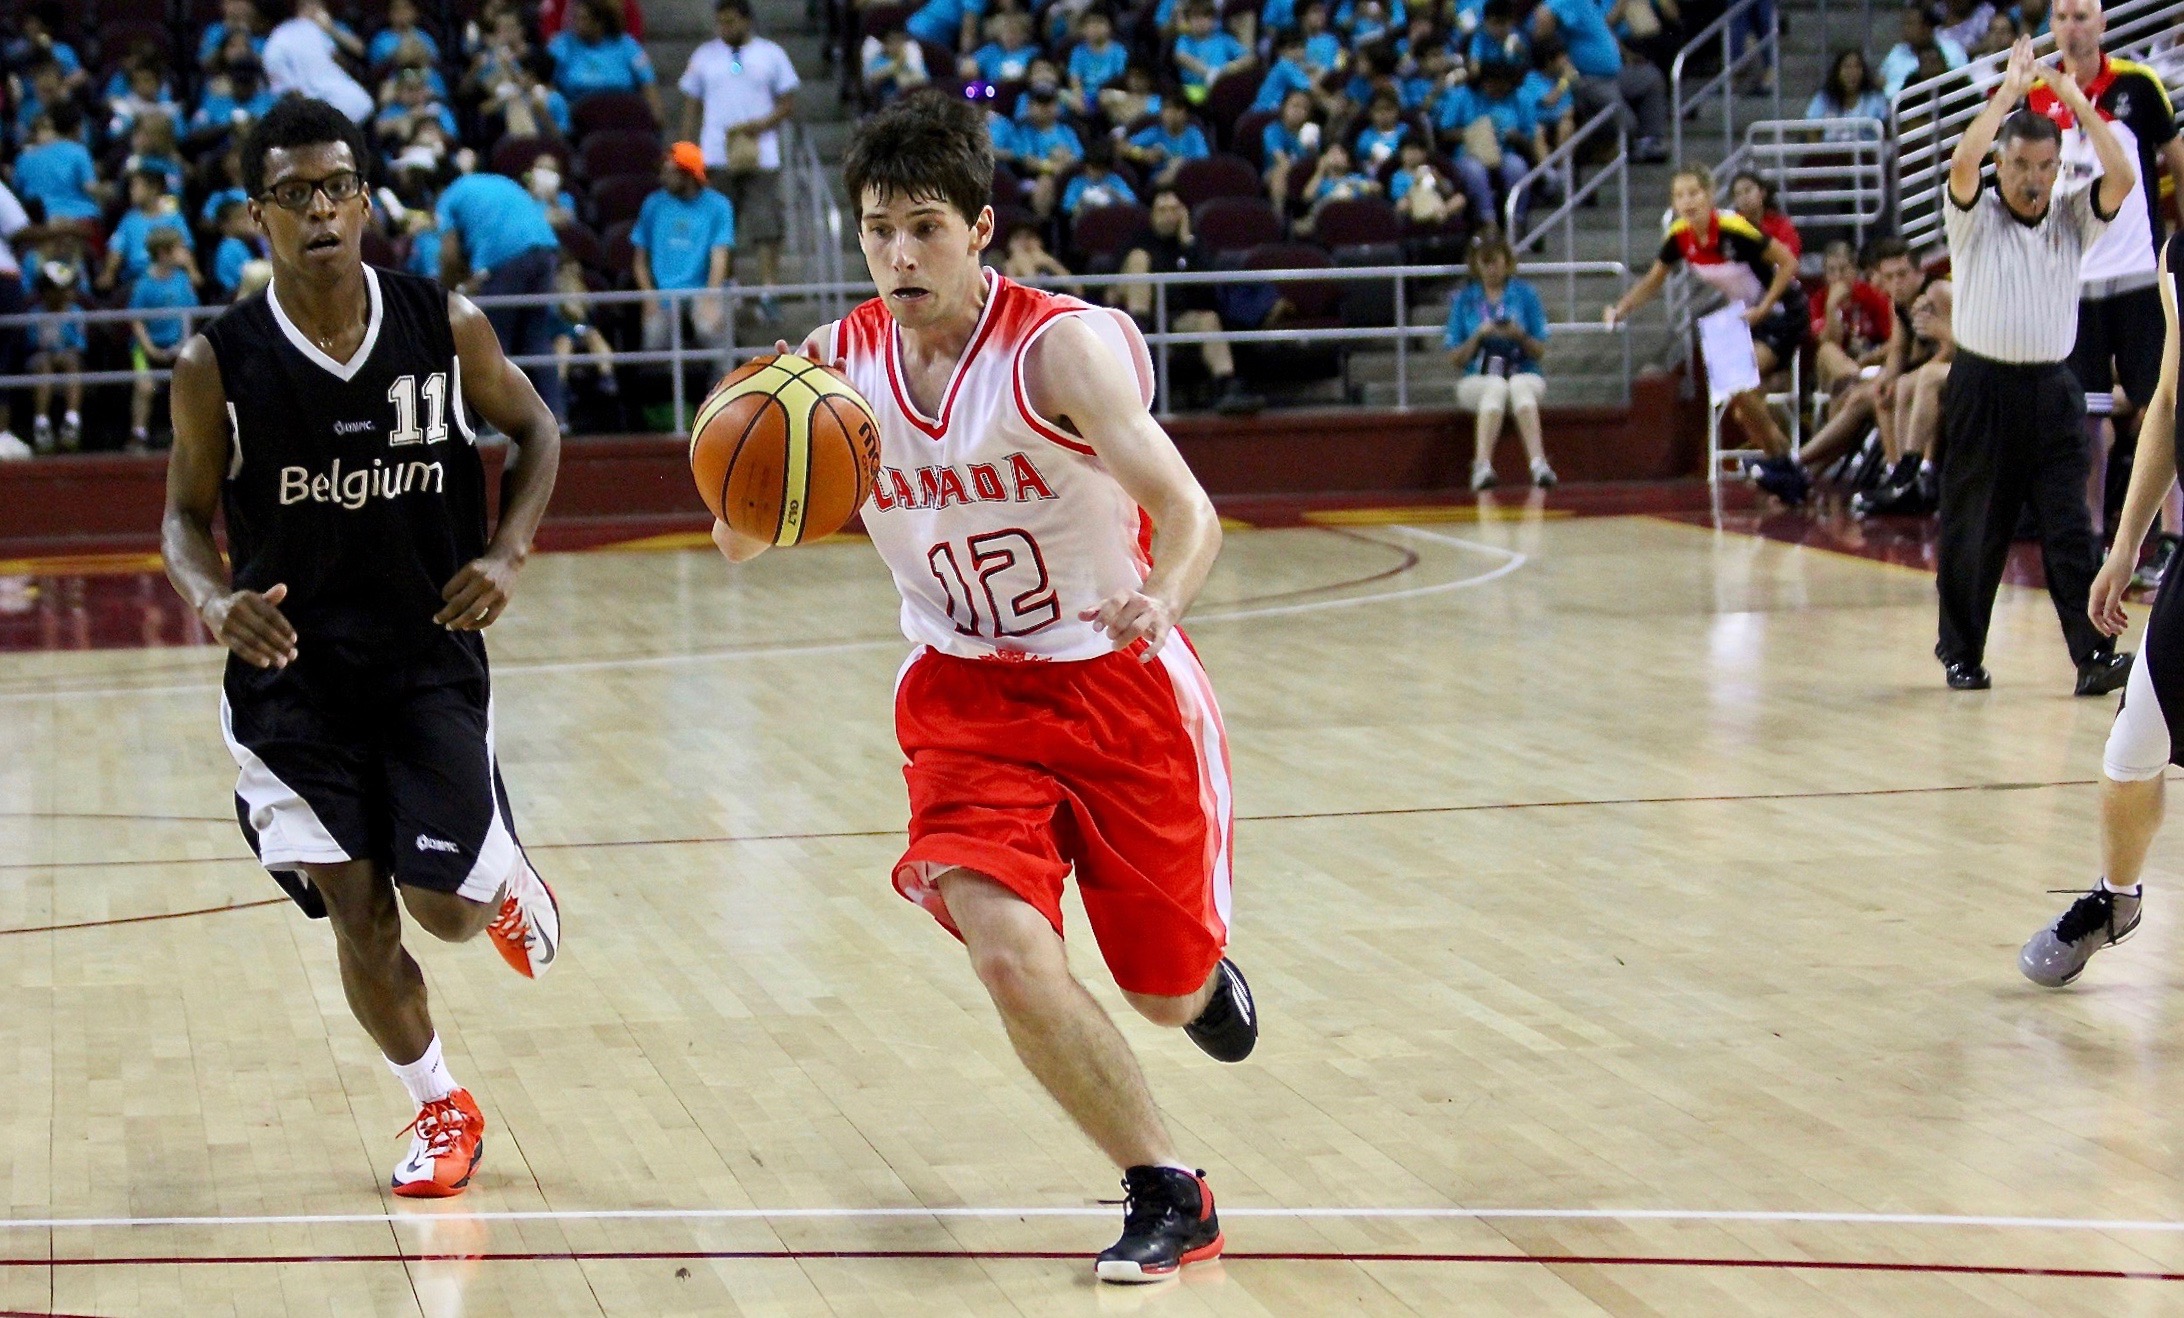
503, 395
246, 622
1074, 379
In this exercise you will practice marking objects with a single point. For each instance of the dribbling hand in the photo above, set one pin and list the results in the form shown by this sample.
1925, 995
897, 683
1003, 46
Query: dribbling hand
1130, 616
2105, 603
735, 546
478, 594
251, 625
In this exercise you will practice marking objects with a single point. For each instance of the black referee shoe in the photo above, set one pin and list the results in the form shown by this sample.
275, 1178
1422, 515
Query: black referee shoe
1167, 1221
1228, 1028
2103, 673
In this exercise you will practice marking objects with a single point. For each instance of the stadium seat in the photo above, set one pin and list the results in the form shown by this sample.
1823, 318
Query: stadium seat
1199, 181
1234, 224
617, 151
1315, 302
514, 155
1101, 231
584, 245
1249, 138
1358, 221
619, 197
378, 250
879, 20
621, 252
610, 110
1229, 98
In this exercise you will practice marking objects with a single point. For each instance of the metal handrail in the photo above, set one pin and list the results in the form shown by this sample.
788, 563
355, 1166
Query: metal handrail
1768, 47
815, 217
679, 355
1816, 193
1938, 108
1561, 164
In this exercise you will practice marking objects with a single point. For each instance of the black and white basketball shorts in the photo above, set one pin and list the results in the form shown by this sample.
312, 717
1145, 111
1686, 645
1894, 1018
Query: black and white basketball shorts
2148, 735
390, 763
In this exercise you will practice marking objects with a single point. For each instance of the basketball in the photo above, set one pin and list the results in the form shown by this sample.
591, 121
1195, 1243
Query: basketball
784, 450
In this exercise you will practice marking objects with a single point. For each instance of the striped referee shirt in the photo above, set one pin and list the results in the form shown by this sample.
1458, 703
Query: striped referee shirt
2016, 280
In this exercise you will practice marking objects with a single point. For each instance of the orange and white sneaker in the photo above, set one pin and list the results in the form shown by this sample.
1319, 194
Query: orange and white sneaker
450, 1142
527, 932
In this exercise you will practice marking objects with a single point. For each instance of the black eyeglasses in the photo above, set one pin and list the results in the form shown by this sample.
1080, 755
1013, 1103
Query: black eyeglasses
294, 194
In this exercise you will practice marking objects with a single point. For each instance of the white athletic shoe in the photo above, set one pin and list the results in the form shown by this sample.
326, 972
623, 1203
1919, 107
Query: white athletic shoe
527, 932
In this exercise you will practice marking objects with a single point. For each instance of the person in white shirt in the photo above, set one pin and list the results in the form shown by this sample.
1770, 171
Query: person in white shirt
738, 90
299, 57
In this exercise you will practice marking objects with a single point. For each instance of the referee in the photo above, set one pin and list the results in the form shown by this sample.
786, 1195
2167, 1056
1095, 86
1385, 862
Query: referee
2012, 413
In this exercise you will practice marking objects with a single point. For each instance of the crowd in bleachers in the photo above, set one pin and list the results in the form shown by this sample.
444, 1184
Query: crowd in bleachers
122, 125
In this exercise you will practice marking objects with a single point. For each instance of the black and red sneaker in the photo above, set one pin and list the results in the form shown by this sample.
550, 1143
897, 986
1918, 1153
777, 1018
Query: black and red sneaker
1167, 1221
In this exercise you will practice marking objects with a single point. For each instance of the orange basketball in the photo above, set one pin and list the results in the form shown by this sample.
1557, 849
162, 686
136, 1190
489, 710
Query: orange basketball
784, 450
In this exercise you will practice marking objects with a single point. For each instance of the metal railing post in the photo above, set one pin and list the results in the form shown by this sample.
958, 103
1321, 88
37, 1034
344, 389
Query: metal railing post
675, 350
1402, 343
1160, 326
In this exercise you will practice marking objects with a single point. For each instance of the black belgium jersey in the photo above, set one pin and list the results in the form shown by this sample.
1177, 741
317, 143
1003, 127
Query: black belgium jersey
359, 484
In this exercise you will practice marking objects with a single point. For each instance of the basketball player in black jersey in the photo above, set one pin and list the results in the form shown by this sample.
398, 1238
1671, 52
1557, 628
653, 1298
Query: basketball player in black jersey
326, 416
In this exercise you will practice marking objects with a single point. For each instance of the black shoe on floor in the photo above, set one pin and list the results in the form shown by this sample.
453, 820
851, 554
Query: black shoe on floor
2103, 673
1228, 1028
1167, 1221
1782, 478
1233, 401
1967, 677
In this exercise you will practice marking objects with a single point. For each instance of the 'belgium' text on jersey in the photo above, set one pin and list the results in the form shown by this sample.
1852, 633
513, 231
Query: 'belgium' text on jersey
358, 484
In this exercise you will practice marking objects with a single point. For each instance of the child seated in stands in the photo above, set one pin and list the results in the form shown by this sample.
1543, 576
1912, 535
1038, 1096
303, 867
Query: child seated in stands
1204, 53
1045, 149
149, 93
1028, 259
1384, 135
57, 171
1006, 58
401, 29
1160, 149
572, 328
57, 348
543, 181
151, 207
1289, 73
1423, 195
1097, 63
240, 244
1135, 98
1334, 179
1097, 184
157, 340
152, 148
1287, 142
894, 64
1548, 91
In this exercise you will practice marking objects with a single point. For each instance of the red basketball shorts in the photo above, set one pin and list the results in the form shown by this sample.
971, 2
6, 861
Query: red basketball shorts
1111, 767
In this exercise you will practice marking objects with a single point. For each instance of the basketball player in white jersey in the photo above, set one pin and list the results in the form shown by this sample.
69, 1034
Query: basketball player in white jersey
1046, 537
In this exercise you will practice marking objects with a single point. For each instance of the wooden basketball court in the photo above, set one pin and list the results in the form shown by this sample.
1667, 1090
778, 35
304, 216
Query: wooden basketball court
1632, 912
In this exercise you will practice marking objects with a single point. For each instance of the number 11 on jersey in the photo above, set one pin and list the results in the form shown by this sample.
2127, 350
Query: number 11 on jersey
403, 394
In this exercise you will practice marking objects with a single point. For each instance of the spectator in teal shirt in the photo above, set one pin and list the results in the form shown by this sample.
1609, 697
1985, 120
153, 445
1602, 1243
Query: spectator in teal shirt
1496, 334
240, 244
151, 207
1204, 53
1323, 52
1097, 62
235, 16
494, 239
1096, 184
595, 55
1288, 74
1008, 57
401, 26
57, 170
1045, 147
1382, 137
685, 238
165, 283
1162, 148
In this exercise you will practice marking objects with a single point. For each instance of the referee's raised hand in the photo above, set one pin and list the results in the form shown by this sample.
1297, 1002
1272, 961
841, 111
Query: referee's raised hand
253, 627
2021, 73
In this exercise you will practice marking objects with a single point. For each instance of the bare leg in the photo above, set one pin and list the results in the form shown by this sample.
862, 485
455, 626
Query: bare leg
1752, 413
1853, 413
1137, 299
1175, 1013
1923, 431
1061, 1034
2130, 816
386, 990
1220, 358
140, 403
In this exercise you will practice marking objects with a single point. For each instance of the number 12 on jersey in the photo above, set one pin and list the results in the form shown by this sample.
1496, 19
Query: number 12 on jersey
403, 394
1007, 575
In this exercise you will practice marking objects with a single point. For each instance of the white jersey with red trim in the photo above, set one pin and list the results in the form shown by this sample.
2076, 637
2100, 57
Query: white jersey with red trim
998, 525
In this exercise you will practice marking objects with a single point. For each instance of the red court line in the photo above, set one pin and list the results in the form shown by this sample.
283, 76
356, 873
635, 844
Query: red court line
144, 919
1041, 1255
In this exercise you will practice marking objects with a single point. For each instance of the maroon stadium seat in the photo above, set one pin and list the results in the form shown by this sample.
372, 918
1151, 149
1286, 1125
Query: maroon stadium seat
617, 151
1217, 176
621, 252
513, 155
610, 110
583, 244
619, 197
1229, 98
1315, 301
1235, 224
879, 20
1102, 230
1358, 221
378, 250
1249, 139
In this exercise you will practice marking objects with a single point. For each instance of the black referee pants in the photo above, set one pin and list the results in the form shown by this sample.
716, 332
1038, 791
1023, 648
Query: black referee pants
2012, 435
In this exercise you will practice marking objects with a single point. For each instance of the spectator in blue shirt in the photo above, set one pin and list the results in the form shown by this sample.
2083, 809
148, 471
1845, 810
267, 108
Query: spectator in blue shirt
1278, 16
1548, 92
1096, 184
1382, 137
1045, 148
1335, 178
39, 43
1097, 62
56, 348
595, 55
401, 26
1635, 88
952, 24
1423, 194
166, 282
1161, 148
1497, 132
1498, 39
57, 170
240, 244
151, 207
1288, 74
152, 146
1323, 52
1366, 22
1496, 335
44, 90
894, 64
1002, 130
494, 239
235, 16
1287, 142
148, 95
1008, 57
233, 98
1919, 37
685, 238
399, 113
1203, 52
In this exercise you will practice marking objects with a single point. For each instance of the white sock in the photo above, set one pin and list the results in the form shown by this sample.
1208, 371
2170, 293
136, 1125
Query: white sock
426, 1079
71, 419
2131, 891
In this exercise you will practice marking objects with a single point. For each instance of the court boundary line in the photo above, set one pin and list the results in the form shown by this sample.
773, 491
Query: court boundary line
1060, 1255
1512, 560
2002, 1222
